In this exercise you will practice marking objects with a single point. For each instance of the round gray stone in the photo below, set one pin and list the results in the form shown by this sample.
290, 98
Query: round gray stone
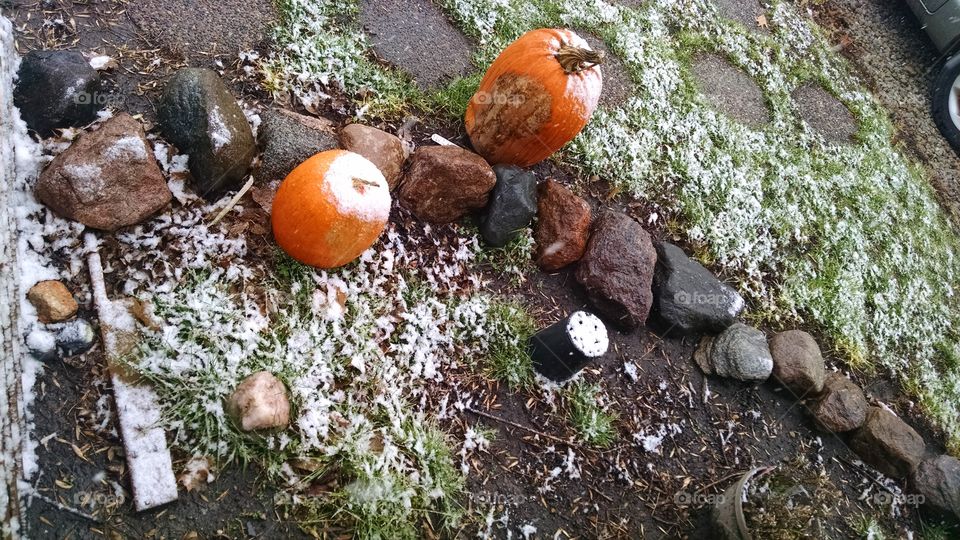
824, 113
730, 90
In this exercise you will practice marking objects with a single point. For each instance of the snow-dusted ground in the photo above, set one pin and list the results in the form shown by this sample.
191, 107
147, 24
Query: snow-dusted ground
846, 238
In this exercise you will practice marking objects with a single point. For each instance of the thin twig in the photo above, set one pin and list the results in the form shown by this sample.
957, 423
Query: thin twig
233, 202
525, 428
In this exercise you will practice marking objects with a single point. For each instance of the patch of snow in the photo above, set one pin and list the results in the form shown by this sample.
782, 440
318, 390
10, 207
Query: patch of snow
358, 187
129, 147
219, 133
588, 334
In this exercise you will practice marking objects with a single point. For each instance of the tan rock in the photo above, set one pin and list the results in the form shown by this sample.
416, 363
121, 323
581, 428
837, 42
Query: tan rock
260, 402
378, 146
53, 301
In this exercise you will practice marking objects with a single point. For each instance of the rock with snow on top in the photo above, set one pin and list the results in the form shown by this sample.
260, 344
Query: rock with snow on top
42, 345
75, 337
107, 179
287, 139
688, 297
617, 270
53, 301
938, 480
563, 226
841, 405
739, 352
512, 206
444, 183
260, 402
797, 362
198, 114
57, 89
383, 149
887, 443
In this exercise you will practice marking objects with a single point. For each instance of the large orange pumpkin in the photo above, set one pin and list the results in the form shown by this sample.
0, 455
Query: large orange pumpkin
330, 209
535, 98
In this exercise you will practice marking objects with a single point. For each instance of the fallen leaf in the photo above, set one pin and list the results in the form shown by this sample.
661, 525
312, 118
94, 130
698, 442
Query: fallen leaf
762, 21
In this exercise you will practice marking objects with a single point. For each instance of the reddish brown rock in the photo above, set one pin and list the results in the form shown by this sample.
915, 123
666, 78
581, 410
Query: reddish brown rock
563, 226
797, 362
617, 270
53, 301
841, 406
888, 444
107, 179
381, 148
444, 183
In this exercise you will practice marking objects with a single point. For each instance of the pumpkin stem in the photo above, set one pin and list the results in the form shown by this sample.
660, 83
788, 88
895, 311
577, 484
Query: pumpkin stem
576, 59
360, 184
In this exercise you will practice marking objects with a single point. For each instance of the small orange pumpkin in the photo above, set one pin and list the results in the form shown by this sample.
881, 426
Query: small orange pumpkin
535, 98
330, 209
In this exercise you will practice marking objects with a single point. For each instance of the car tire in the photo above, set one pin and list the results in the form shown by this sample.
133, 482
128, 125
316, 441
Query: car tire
946, 101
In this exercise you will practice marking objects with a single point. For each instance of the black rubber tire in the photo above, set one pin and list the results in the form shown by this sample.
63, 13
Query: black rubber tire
940, 99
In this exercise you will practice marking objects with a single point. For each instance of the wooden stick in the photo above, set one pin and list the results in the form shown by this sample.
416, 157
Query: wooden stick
138, 411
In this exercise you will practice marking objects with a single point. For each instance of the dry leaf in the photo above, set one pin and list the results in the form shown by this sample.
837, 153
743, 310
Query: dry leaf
762, 21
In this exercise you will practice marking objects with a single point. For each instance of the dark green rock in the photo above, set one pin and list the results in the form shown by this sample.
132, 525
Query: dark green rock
198, 114
512, 206
57, 89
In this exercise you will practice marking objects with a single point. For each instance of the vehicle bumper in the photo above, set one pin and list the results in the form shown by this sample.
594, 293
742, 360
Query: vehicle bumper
940, 20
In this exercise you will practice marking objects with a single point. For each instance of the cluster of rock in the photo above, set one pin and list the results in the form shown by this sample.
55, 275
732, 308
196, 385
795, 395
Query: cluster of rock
61, 333
109, 178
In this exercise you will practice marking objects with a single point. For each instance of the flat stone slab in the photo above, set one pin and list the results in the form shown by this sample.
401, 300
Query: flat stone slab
217, 27
745, 12
730, 90
824, 113
415, 36
617, 85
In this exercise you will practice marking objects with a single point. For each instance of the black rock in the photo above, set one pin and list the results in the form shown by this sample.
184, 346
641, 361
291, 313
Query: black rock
688, 298
512, 206
57, 89
75, 337
198, 114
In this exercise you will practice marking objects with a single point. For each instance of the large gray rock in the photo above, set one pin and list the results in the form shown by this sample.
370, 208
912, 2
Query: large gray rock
841, 406
938, 480
107, 179
888, 444
287, 139
198, 114
688, 297
740, 352
797, 362
512, 206
57, 89
444, 183
617, 270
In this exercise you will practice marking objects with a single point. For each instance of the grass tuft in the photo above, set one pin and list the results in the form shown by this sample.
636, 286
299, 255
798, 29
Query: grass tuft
593, 424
